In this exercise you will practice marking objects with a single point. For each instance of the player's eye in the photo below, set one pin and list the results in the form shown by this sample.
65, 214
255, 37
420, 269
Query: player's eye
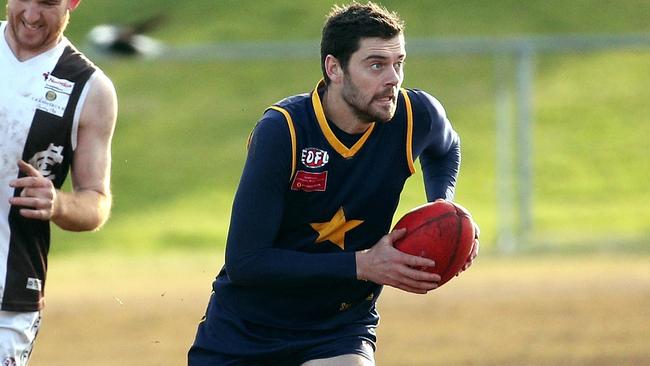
376, 66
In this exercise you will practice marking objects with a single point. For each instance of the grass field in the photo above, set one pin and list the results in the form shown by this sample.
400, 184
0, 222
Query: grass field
573, 310
179, 143
231, 20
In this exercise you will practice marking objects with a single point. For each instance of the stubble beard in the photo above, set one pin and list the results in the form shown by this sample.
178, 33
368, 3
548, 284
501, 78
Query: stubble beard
363, 109
49, 39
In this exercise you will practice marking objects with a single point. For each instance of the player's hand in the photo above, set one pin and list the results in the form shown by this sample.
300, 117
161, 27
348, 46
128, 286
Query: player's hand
475, 249
38, 195
385, 265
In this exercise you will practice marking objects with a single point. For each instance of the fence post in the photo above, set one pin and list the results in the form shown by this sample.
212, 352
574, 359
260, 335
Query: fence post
525, 81
506, 241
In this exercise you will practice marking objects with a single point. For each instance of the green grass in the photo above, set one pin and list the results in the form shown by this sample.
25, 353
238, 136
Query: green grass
228, 20
180, 141
180, 144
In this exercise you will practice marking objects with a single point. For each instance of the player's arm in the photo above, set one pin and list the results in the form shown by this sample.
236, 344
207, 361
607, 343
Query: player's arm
437, 145
88, 205
440, 156
258, 207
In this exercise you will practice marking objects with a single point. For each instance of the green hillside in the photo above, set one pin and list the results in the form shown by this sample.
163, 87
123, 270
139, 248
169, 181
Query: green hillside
234, 20
180, 140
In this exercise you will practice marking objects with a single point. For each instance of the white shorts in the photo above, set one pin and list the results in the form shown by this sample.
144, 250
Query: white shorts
18, 332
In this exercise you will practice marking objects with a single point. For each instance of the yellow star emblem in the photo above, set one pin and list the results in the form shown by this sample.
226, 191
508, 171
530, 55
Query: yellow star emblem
335, 229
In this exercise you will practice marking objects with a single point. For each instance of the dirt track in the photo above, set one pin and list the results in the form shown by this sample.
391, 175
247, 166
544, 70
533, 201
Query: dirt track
595, 310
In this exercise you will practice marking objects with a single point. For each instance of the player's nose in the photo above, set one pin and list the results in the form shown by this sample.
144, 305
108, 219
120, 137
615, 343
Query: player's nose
32, 13
393, 77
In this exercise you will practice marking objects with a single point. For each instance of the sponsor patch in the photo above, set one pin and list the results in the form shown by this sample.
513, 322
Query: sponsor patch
312, 157
55, 95
34, 284
309, 182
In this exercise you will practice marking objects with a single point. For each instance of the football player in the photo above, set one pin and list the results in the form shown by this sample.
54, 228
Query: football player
57, 111
309, 247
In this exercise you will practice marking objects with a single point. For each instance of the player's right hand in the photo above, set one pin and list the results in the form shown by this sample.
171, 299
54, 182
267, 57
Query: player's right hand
38, 196
385, 265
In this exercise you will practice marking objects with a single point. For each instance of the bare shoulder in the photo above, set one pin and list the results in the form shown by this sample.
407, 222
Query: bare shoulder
100, 107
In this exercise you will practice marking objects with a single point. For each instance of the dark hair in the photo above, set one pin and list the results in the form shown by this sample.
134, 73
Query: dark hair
347, 25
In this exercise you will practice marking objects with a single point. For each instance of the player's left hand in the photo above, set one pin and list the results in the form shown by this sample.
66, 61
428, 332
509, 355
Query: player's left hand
474, 252
38, 195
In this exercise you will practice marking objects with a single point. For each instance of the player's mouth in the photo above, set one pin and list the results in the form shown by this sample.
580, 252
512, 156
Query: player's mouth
386, 99
31, 27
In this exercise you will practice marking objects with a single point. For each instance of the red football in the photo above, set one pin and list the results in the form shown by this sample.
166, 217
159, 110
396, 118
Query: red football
440, 230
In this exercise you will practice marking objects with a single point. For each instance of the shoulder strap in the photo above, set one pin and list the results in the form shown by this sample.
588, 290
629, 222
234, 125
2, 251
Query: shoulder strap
409, 131
292, 132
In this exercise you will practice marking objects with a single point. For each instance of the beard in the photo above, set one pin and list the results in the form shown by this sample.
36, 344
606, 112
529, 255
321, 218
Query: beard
47, 37
363, 107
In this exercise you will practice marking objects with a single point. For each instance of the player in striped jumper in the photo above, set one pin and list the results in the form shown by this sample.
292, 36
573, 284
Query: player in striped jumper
57, 113
309, 247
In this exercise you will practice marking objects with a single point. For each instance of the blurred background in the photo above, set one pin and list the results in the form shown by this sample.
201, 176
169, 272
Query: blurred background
180, 141
550, 99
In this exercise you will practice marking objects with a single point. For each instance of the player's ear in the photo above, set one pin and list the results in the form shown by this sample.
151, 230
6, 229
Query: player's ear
72, 5
333, 68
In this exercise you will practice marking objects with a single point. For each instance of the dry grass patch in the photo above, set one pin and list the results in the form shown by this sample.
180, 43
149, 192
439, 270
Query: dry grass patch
143, 310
